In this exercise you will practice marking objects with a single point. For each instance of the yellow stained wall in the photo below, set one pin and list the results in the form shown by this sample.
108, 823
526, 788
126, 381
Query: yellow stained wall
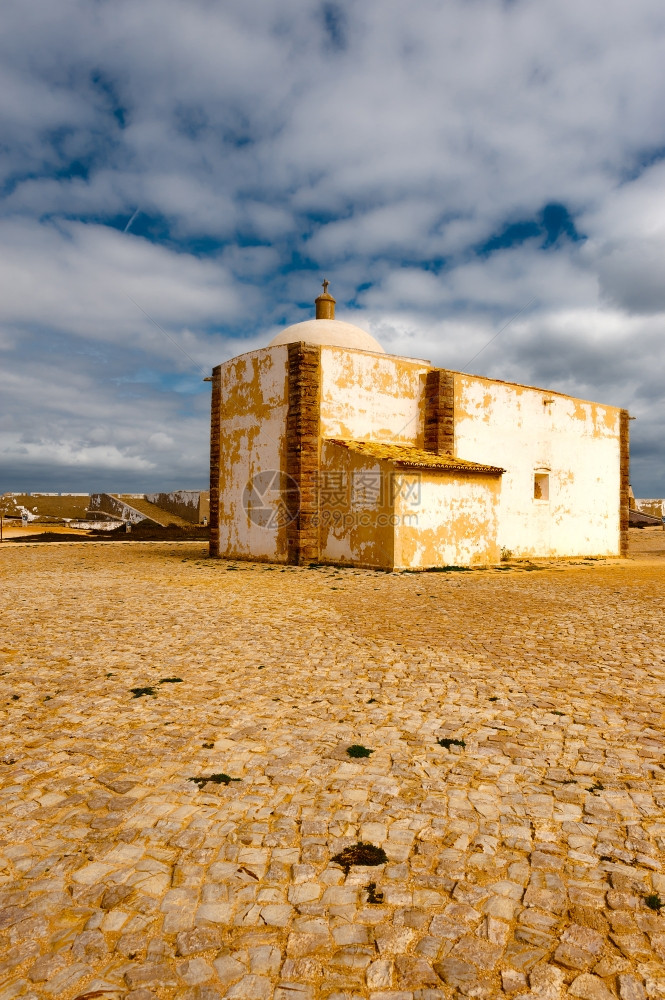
525, 429
355, 509
253, 441
372, 397
376, 515
454, 523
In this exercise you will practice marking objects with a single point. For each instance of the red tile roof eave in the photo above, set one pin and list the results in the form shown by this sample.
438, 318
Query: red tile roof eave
420, 459
489, 470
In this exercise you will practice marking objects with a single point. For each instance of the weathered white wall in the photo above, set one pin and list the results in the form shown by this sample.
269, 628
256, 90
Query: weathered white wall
192, 505
453, 524
392, 518
107, 503
525, 429
372, 397
253, 440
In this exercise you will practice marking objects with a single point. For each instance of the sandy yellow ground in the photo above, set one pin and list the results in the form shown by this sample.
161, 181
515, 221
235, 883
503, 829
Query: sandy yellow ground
517, 864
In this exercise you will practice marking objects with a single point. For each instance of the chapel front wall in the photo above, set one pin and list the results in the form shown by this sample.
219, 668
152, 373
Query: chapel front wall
451, 520
253, 402
372, 397
574, 443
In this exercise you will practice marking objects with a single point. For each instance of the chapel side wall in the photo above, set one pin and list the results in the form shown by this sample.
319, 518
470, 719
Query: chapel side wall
526, 430
372, 397
251, 432
355, 510
454, 522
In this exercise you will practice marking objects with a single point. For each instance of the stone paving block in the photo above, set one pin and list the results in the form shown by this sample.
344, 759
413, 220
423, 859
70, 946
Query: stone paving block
630, 987
214, 913
46, 967
589, 987
67, 979
150, 974
251, 988
194, 971
19, 987
512, 981
197, 940
229, 969
294, 991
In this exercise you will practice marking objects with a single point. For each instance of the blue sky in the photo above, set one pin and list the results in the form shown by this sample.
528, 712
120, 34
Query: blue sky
178, 176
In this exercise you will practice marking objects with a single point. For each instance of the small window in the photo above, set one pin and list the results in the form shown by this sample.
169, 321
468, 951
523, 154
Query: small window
541, 486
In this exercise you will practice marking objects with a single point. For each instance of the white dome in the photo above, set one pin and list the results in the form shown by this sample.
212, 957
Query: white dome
328, 333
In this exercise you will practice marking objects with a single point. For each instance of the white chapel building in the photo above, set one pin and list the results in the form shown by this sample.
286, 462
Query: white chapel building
325, 449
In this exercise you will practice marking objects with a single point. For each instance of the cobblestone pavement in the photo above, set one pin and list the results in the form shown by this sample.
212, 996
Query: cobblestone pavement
520, 861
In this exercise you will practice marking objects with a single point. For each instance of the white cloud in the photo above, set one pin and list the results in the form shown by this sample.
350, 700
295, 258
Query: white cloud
263, 148
160, 441
631, 274
82, 278
70, 453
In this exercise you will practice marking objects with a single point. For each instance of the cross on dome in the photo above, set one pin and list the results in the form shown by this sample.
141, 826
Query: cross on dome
325, 303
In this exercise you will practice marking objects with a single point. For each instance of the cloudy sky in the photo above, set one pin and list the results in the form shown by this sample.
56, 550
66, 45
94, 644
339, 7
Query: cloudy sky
179, 175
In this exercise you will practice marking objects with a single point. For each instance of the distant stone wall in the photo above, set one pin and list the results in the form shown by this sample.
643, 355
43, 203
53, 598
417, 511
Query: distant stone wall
192, 505
654, 507
106, 503
93, 525
44, 506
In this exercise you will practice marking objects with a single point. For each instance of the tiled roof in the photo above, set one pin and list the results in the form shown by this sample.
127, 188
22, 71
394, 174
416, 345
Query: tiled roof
406, 457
